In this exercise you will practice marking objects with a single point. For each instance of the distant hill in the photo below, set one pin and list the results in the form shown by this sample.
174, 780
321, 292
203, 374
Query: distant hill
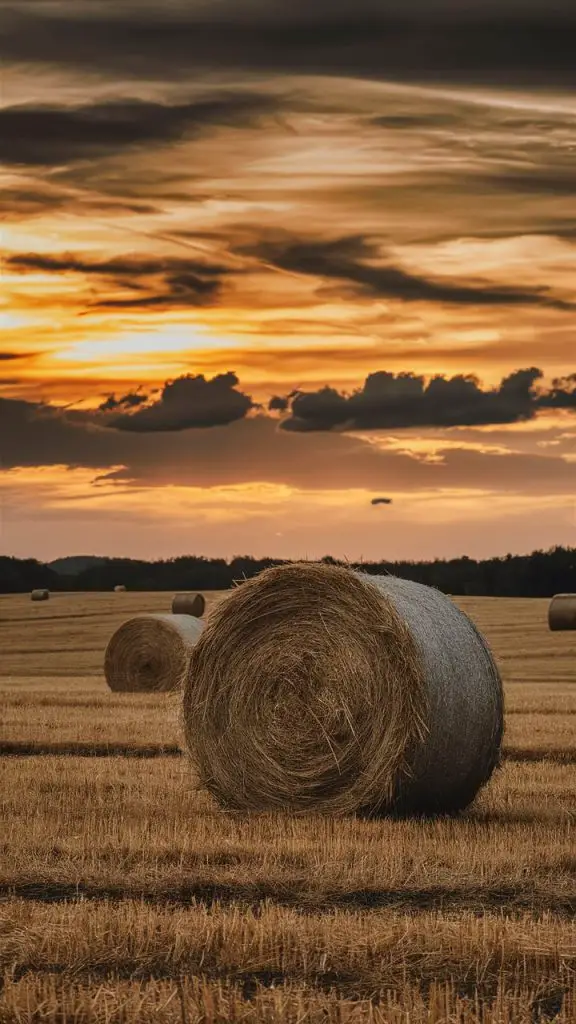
73, 565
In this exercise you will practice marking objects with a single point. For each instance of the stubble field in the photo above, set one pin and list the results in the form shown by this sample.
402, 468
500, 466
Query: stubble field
127, 895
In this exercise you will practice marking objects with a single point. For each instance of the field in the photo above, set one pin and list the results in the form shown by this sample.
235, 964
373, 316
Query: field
127, 895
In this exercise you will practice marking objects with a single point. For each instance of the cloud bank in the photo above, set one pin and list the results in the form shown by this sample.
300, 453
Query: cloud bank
395, 401
508, 43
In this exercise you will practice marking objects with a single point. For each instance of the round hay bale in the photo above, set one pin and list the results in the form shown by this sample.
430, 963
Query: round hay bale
40, 595
189, 604
562, 612
317, 688
150, 653
120, 589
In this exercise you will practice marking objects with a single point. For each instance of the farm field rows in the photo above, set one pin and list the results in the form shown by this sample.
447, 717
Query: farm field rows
128, 895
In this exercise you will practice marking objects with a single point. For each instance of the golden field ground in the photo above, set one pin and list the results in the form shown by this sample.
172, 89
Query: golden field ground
127, 895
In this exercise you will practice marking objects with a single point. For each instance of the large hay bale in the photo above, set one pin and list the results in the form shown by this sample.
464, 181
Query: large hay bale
40, 595
562, 612
150, 653
189, 604
314, 687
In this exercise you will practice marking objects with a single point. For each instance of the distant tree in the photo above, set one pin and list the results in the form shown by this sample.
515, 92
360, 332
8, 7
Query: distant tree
539, 574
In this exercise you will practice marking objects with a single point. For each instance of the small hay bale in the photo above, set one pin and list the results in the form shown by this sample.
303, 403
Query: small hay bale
189, 604
562, 612
120, 589
317, 688
40, 595
149, 653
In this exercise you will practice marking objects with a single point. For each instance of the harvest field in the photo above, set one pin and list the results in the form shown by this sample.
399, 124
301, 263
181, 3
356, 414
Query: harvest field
127, 895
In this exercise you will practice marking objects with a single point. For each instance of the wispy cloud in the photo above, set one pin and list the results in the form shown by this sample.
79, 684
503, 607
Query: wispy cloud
359, 261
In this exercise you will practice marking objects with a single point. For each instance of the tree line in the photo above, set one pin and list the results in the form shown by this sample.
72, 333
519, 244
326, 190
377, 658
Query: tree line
539, 574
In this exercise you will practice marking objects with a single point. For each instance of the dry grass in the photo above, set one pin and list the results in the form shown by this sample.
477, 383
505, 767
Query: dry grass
67, 636
76, 827
44, 714
526, 650
128, 896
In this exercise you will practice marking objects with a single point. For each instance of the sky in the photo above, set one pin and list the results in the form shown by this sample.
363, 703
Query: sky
265, 261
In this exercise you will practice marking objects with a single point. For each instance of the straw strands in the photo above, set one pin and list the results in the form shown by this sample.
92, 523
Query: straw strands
189, 604
562, 612
149, 653
314, 687
40, 595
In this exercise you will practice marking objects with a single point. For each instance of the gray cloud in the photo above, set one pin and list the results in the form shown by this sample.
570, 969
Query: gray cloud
396, 401
190, 402
346, 259
509, 43
42, 135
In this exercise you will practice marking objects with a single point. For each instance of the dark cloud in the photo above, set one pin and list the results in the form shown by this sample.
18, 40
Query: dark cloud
562, 394
490, 43
157, 282
21, 203
37, 434
129, 401
419, 120
190, 402
346, 259
117, 267
193, 403
254, 450
42, 135
278, 404
395, 401
545, 181
194, 293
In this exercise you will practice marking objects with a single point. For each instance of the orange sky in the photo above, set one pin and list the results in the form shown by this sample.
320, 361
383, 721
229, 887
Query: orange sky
303, 229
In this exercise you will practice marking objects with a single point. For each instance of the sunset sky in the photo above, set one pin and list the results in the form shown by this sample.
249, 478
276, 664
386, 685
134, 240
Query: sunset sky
264, 261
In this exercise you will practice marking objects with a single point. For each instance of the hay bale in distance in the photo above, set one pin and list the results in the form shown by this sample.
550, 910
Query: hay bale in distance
317, 688
189, 604
562, 612
120, 589
40, 595
149, 653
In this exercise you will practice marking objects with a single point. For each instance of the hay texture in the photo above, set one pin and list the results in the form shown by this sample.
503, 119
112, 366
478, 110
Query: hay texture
40, 595
562, 612
317, 688
189, 604
150, 653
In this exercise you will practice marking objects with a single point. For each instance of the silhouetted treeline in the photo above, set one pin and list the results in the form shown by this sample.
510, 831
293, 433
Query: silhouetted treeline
539, 574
